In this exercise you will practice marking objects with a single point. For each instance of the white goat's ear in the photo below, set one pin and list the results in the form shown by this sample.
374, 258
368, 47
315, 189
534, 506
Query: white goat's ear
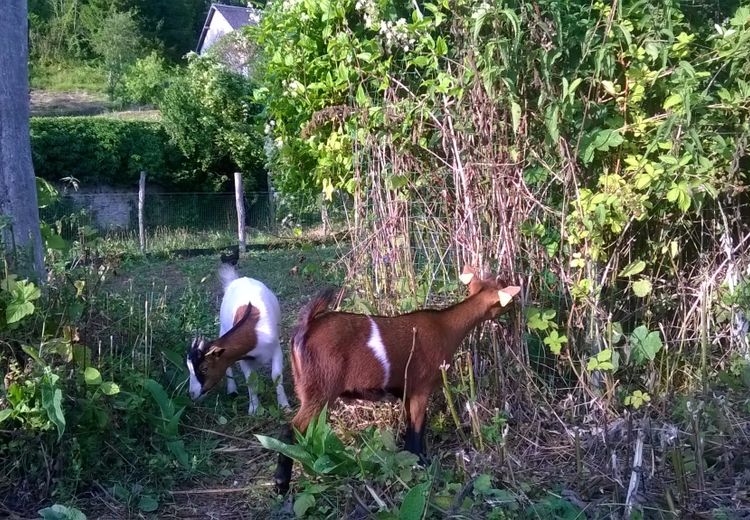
466, 278
215, 351
202, 344
507, 294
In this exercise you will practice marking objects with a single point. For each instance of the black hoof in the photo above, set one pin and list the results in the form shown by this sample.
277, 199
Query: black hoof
282, 487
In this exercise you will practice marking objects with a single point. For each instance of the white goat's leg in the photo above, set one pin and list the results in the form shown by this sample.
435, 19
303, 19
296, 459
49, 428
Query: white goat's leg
277, 369
231, 384
247, 371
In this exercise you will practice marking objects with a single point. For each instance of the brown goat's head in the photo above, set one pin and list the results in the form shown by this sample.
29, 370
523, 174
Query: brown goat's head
207, 361
494, 289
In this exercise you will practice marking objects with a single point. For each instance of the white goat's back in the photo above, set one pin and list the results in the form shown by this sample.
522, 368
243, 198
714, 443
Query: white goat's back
241, 291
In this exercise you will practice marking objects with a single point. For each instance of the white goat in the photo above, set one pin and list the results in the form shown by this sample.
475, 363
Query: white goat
248, 333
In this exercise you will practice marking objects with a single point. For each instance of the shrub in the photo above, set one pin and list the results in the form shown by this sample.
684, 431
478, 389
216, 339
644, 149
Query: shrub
146, 80
103, 151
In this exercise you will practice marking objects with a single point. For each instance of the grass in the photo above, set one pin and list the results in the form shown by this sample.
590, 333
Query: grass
66, 77
218, 428
140, 321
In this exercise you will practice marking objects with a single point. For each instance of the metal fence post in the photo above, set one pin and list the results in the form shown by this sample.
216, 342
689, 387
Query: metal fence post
141, 208
239, 201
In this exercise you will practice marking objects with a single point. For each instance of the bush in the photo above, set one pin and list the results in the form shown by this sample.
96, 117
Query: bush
98, 150
146, 80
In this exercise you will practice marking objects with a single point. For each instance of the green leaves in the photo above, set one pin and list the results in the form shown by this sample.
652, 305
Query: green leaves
633, 268
21, 295
602, 141
536, 319
642, 287
637, 399
644, 345
555, 342
606, 360
92, 376
61, 512
302, 503
52, 401
680, 193
415, 502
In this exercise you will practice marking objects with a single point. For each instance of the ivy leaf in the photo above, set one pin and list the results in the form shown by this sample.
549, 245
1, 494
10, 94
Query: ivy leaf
642, 287
633, 268
645, 345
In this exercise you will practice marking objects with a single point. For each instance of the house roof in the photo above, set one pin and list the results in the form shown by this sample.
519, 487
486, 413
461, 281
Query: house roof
236, 16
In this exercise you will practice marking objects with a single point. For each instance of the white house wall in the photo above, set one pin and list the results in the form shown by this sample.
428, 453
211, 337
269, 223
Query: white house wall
218, 28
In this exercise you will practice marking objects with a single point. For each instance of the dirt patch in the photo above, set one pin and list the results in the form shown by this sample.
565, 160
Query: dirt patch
77, 103
81, 103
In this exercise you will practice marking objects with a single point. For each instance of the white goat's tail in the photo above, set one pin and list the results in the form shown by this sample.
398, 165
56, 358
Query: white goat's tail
227, 274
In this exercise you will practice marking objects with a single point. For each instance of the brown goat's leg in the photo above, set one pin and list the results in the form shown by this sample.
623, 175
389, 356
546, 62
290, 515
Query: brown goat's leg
416, 408
301, 421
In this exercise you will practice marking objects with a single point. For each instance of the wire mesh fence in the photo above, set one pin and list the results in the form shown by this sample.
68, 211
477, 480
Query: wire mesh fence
198, 219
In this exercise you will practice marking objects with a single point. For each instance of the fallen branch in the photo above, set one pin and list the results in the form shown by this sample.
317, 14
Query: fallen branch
635, 476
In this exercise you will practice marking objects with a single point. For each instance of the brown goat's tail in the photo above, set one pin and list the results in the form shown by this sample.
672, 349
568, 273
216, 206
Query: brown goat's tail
318, 305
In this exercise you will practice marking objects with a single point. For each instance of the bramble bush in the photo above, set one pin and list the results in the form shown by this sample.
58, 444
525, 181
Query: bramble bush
596, 152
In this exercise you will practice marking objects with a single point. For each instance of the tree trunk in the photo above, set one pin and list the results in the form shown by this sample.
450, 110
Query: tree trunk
18, 202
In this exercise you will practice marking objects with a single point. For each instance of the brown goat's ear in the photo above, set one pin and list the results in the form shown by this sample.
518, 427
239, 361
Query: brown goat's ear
215, 351
467, 275
507, 294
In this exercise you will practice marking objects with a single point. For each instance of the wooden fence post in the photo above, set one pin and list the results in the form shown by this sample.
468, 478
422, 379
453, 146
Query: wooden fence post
239, 201
141, 208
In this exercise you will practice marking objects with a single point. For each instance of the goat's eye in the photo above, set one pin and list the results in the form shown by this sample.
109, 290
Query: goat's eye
203, 369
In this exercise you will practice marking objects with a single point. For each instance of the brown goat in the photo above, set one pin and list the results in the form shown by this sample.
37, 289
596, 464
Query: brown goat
340, 354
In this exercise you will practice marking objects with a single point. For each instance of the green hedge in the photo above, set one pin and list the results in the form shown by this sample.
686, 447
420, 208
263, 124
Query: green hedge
103, 151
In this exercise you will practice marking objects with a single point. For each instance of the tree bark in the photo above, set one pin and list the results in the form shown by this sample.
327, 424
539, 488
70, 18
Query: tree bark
18, 202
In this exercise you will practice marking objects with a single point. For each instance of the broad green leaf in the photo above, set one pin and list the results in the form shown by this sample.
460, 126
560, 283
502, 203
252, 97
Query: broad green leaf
4, 414
642, 287
110, 388
92, 376
633, 268
52, 404
293, 451
673, 100
302, 503
604, 355
61, 512
148, 504
415, 502
644, 345
551, 120
483, 483
17, 311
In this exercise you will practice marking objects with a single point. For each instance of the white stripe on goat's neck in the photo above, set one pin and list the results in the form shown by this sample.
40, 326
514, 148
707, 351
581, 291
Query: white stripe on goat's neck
195, 386
375, 343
